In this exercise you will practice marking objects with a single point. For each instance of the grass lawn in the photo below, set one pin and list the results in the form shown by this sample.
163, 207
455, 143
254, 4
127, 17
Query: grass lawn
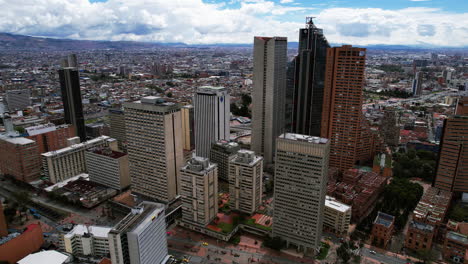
225, 227
323, 251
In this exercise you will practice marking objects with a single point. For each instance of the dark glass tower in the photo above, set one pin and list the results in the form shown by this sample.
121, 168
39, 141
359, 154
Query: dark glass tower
71, 97
309, 80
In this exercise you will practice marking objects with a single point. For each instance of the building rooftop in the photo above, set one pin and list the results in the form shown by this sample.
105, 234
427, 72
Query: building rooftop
61, 184
77, 146
95, 231
247, 157
136, 216
336, 205
422, 226
199, 165
384, 219
48, 256
457, 237
17, 140
107, 152
299, 137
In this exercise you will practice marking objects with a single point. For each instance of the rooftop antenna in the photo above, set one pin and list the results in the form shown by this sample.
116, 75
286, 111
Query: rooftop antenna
309, 20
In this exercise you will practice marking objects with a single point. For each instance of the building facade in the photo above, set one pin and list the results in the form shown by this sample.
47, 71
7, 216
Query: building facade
212, 117
342, 114
245, 181
199, 182
18, 99
390, 128
87, 241
140, 237
117, 127
301, 172
71, 97
309, 80
417, 84
268, 94
20, 158
336, 216
154, 145
188, 127
452, 168
107, 167
222, 151
62, 164
50, 137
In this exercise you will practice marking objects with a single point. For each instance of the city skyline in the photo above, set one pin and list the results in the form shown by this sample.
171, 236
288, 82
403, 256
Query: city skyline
402, 22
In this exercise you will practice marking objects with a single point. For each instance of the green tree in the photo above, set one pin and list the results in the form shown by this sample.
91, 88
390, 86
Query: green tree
343, 253
169, 94
246, 99
275, 243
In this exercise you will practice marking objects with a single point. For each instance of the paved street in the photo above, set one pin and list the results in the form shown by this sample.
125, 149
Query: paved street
365, 252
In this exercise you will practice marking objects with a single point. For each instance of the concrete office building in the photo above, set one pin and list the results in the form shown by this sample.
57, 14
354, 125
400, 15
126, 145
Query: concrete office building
417, 84
342, 120
222, 152
212, 116
50, 137
309, 80
107, 167
188, 127
20, 158
301, 172
268, 94
390, 127
18, 99
199, 191
154, 145
452, 168
117, 127
336, 216
140, 238
87, 241
68, 162
245, 181
71, 97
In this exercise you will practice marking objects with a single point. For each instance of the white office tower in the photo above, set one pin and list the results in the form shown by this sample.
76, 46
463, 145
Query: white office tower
87, 240
17, 99
140, 238
245, 181
212, 116
154, 146
301, 171
268, 95
199, 182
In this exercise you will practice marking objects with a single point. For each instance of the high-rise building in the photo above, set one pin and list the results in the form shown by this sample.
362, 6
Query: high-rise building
50, 137
301, 172
71, 97
87, 240
199, 184
65, 163
140, 238
20, 158
245, 181
390, 127
309, 80
108, 167
117, 127
462, 106
188, 127
18, 99
268, 95
222, 152
417, 84
154, 145
342, 120
212, 116
452, 168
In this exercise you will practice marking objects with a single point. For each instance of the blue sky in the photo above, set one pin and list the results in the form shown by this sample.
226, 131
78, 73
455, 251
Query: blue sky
358, 22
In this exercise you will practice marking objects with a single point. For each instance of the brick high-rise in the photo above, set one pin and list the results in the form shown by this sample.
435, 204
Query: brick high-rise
342, 119
19, 157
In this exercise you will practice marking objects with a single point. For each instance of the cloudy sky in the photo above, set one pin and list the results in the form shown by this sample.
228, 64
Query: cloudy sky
358, 22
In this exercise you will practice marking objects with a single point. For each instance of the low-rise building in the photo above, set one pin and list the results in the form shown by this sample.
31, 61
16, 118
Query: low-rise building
337, 216
87, 240
456, 242
382, 229
108, 167
67, 162
419, 236
16, 246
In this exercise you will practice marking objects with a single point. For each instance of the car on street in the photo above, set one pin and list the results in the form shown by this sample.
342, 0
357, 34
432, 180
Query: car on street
205, 244
372, 252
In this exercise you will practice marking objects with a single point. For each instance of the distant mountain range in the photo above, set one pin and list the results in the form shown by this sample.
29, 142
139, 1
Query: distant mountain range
20, 42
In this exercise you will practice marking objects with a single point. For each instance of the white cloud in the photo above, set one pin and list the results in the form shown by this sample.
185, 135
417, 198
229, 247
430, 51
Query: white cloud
193, 21
286, 1
420, 0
